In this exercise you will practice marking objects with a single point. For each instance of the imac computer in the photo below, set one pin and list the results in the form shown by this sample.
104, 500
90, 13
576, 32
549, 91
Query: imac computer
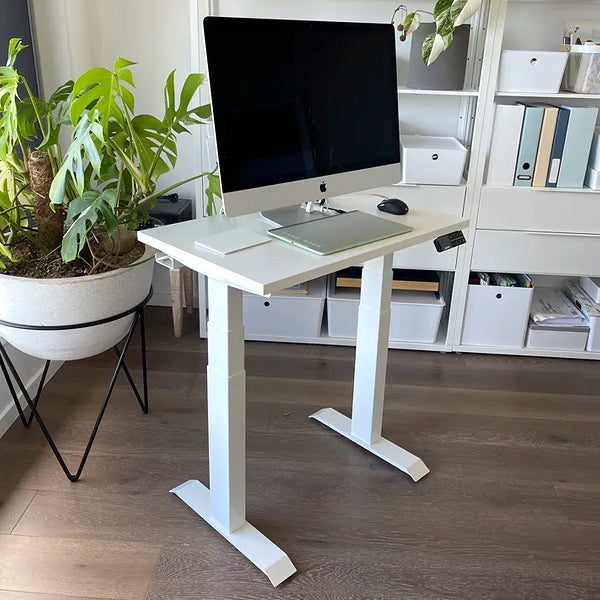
302, 110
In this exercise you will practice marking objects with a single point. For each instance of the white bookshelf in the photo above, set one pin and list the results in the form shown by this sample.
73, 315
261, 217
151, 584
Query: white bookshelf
468, 115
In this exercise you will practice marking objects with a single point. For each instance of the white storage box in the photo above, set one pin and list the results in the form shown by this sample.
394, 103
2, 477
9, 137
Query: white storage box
415, 316
531, 71
590, 309
582, 74
435, 160
556, 338
496, 315
286, 315
592, 179
591, 285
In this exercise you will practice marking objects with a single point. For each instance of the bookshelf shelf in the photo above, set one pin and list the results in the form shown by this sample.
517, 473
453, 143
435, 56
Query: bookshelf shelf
418, 92
528, 351
543, 190
560, 95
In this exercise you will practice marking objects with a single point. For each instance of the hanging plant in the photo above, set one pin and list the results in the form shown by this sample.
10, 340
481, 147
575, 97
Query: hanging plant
447, 16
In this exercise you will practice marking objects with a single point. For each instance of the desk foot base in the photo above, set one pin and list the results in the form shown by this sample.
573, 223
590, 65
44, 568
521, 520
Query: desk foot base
398, 457
261, 551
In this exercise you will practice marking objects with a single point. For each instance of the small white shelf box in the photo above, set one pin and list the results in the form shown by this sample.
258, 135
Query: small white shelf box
531, 71
415, 315
557, 338
438, 160
281, 315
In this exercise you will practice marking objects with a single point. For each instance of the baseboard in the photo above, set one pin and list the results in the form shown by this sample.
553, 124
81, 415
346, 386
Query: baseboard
31, 370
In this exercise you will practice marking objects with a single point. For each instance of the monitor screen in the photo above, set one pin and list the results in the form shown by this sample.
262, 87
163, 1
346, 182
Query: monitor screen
302, 110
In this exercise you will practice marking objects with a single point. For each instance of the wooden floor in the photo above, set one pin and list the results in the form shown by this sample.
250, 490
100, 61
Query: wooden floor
510, 510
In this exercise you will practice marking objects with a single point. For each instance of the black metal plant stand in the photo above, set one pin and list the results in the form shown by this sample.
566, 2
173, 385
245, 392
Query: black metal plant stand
7, 366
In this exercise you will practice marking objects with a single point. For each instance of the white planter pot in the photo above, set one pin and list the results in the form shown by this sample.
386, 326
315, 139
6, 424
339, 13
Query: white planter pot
73, 300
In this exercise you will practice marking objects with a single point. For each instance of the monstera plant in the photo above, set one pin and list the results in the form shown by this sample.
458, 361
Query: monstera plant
78, 175
447, 15
76, 202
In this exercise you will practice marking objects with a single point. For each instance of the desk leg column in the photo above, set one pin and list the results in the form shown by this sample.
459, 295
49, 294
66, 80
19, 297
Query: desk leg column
223, 506
369, 375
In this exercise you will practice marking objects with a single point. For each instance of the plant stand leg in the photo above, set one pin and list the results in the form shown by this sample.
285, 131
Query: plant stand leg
8, 369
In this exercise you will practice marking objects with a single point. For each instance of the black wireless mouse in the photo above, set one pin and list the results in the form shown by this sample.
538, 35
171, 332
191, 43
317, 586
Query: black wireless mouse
394, 206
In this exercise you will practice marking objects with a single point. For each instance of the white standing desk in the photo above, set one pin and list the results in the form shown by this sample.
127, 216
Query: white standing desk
264, 270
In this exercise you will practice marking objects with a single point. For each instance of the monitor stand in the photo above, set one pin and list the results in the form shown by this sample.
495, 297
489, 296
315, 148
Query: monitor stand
291, 215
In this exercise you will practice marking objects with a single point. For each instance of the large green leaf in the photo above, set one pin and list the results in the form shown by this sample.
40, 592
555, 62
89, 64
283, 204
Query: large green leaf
87, 134
85, 211
157, 143
9, 110
178, 117
102, 90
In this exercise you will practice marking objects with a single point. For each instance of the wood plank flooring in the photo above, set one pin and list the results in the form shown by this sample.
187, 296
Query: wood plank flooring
510, 510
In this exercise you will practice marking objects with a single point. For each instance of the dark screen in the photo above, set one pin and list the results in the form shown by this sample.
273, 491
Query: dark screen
293, 100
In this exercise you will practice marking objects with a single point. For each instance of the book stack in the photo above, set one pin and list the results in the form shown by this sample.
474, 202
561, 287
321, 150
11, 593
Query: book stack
403, 279
541, 145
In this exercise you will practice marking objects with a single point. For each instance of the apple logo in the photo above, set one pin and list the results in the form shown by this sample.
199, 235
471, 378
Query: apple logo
323, 187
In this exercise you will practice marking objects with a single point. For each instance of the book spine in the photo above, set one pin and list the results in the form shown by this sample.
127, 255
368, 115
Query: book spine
558, 144
530, 138
578, 143
505, 144
542, 162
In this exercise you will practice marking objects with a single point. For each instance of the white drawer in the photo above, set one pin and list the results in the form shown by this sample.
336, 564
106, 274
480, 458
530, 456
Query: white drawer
536, 252
539, 210
425, 256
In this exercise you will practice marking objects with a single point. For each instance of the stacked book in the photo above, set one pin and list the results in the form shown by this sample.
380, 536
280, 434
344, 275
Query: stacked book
403, 279
541, 145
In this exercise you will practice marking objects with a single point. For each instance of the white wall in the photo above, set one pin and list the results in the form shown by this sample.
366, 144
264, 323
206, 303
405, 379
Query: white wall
73, 35
30, 370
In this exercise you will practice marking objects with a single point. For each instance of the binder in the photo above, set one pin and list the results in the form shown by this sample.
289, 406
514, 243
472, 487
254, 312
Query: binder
558, 145
504, 148
578, 143
542, 162
528, 146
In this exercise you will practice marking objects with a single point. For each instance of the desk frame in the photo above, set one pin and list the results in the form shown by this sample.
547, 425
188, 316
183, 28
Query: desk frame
223, 505
264, 270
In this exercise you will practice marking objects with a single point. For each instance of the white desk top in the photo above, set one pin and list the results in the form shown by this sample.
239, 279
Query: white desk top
273, 266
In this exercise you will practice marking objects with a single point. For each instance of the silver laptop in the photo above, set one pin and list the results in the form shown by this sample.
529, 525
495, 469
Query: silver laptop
339, 232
